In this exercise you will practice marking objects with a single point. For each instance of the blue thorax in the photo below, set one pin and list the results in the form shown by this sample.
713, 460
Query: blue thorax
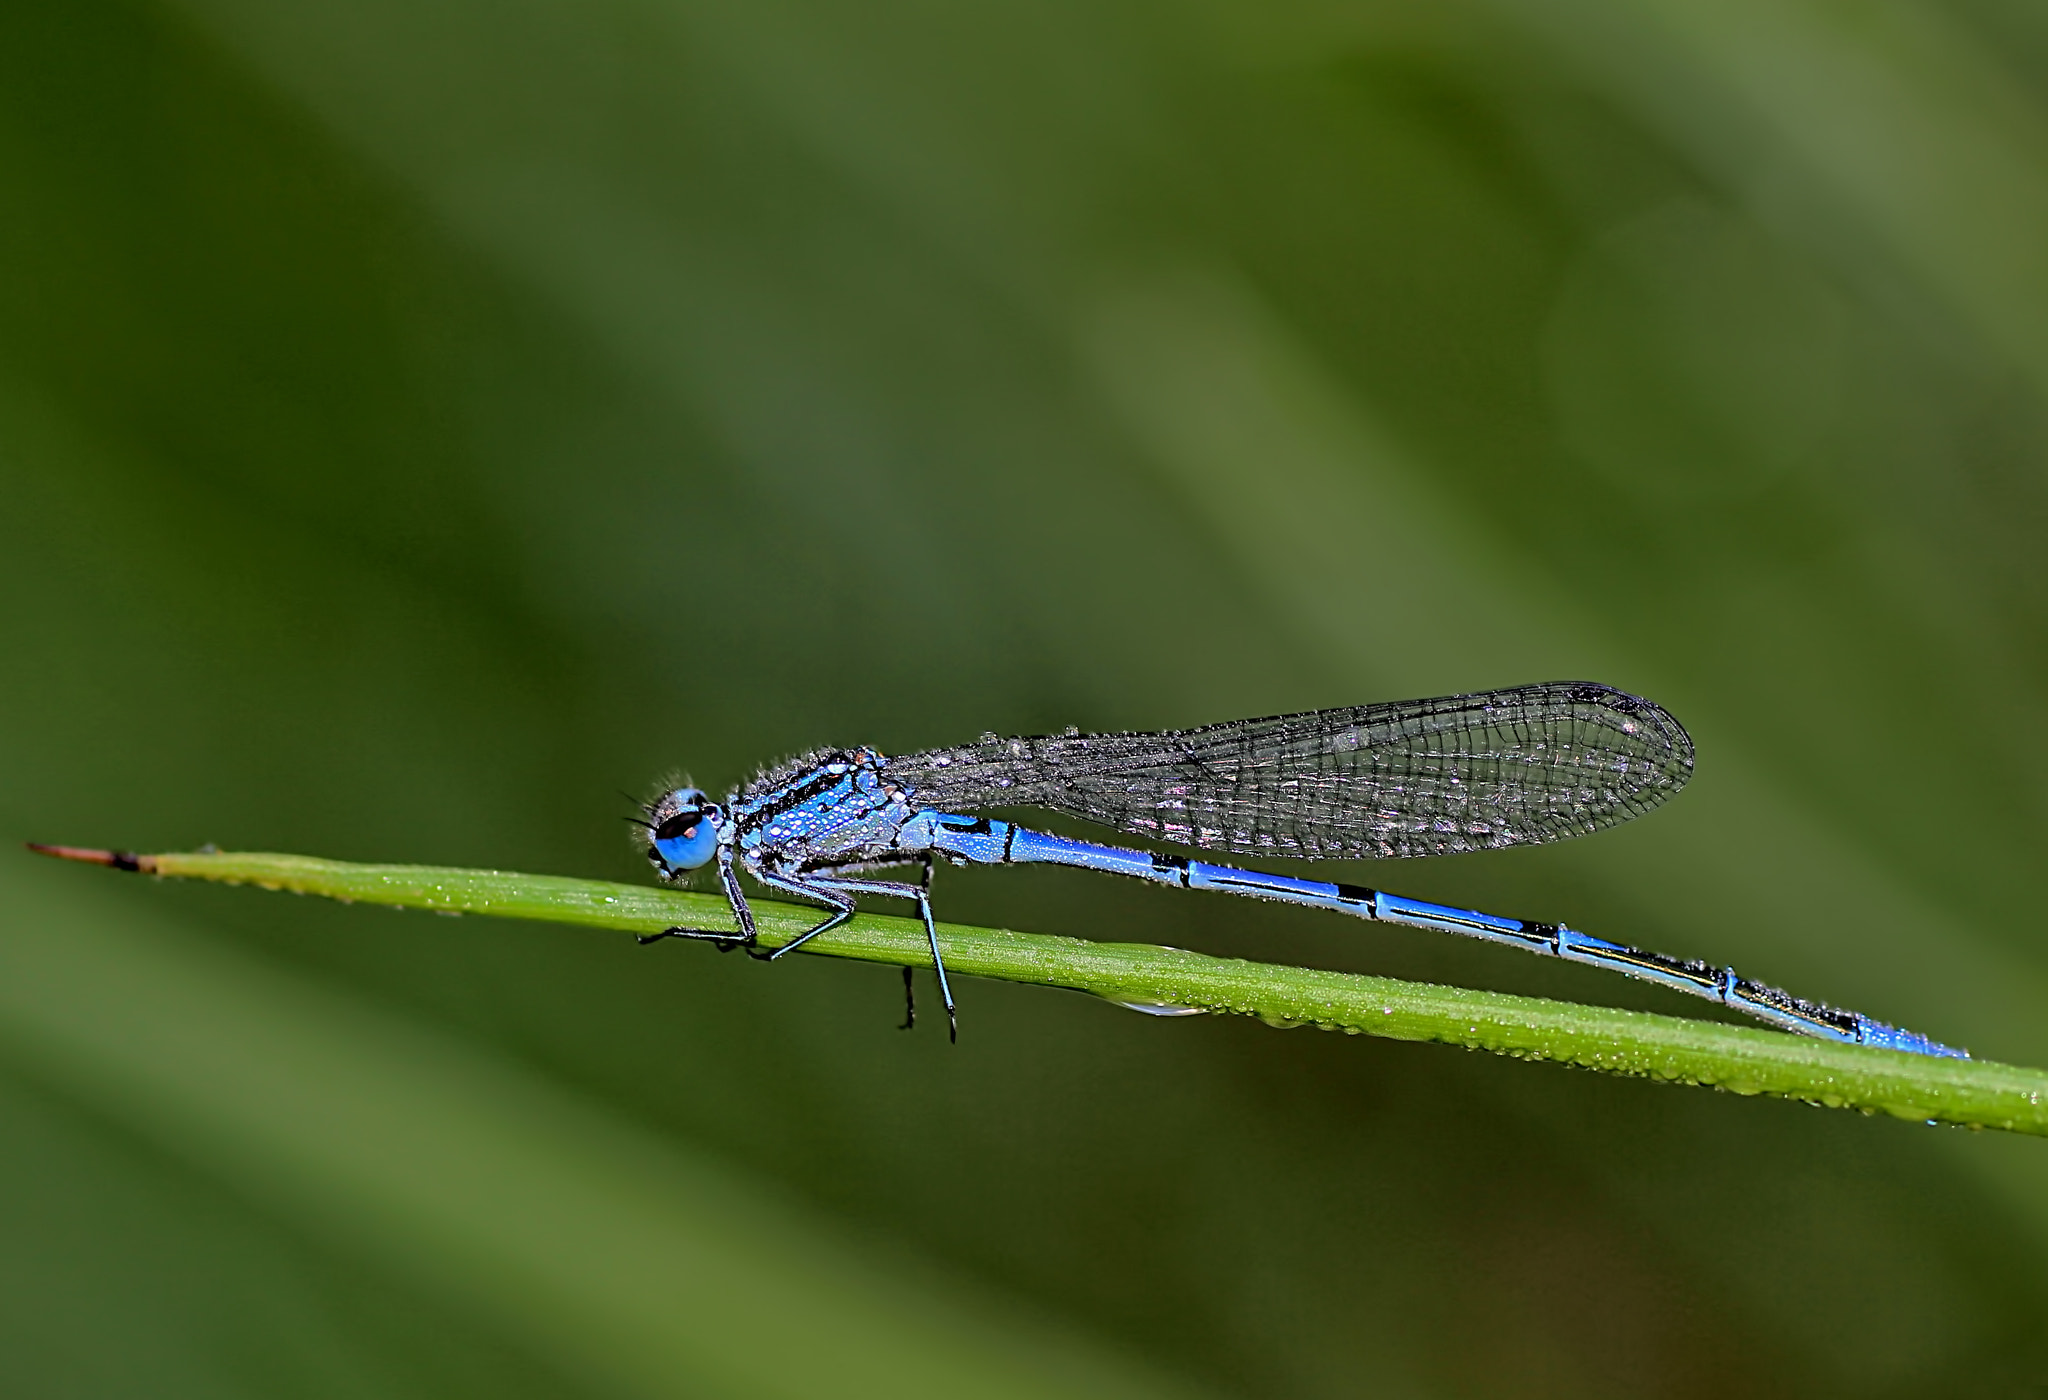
830, 807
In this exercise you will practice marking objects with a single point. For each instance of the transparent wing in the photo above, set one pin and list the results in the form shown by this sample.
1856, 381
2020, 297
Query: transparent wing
1407, 778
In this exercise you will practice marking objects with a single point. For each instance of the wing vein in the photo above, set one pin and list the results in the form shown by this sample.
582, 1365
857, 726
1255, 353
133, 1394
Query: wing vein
1496, 768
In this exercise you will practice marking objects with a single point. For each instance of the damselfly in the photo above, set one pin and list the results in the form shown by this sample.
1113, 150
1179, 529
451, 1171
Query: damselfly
1516, 767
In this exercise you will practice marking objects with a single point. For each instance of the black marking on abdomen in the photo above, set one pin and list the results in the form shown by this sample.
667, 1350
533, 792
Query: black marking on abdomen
1847, 1022
1176, 867
1369, 898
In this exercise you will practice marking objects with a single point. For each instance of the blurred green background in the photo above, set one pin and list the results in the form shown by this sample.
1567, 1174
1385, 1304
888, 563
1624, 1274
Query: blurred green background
421, 421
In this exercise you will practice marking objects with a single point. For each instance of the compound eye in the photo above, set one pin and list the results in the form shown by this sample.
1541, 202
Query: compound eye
686, 836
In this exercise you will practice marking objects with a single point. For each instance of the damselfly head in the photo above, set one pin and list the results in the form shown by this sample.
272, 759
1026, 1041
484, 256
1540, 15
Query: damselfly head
683, 831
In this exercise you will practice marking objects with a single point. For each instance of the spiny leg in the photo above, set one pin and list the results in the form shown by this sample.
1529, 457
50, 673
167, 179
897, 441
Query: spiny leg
729, 881
741, 914
909, 986
921, 893
723, 940
839, 900
931, 933
833, 891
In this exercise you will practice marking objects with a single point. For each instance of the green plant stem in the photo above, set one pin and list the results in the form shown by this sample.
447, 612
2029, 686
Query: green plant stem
1739, 1059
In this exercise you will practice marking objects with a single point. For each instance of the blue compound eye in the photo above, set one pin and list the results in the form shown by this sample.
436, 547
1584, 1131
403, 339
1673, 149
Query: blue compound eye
686, 830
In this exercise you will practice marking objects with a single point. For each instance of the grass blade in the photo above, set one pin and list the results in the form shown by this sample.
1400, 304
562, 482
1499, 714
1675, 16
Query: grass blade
1739, 1059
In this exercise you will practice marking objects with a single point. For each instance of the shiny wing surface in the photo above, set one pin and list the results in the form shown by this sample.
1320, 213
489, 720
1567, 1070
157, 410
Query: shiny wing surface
1406, 778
